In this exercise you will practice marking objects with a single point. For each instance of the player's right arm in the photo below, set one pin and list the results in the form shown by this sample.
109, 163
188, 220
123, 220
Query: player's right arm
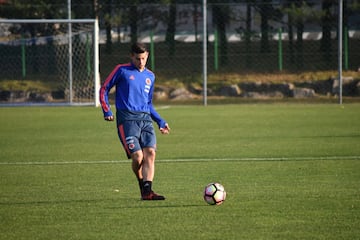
104, 93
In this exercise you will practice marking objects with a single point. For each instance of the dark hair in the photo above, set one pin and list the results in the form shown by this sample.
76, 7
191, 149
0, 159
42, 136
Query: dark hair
138, 48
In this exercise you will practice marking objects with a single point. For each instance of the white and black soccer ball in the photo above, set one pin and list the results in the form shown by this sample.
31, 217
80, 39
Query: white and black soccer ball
214, 193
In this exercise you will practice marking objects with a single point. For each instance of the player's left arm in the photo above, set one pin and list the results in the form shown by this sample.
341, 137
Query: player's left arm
162, 124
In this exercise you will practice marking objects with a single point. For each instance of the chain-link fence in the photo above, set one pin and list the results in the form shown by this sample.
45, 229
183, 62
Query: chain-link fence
35, 64
244, 37
291, 38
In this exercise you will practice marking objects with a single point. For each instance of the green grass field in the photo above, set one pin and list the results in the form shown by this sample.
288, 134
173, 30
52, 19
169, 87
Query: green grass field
291, 171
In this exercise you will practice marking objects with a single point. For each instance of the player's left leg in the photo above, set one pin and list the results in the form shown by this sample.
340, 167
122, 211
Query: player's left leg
148, 173
148, 166
148, 140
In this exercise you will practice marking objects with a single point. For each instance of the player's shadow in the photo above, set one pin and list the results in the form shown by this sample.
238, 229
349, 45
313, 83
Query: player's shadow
113, 203
54, 202
159, 206
137, 203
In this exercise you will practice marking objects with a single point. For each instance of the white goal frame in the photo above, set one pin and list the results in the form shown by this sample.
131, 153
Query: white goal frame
96, 50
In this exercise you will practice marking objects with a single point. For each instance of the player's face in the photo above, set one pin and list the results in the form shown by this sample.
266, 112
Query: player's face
139, 60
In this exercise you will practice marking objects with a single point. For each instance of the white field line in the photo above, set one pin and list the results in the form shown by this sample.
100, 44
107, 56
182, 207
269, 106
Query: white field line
162, 107
192, 160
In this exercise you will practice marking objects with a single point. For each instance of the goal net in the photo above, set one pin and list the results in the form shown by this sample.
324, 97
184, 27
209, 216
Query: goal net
49, 62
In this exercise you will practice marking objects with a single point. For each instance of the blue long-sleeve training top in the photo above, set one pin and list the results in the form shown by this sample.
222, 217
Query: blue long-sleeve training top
134, 90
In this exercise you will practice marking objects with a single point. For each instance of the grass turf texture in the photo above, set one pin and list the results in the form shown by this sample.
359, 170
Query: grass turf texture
291, 171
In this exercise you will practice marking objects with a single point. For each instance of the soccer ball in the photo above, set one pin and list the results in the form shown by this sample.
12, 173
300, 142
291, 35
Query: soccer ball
214, 194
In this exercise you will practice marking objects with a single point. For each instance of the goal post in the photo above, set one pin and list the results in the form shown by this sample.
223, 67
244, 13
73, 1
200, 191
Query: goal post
56, 60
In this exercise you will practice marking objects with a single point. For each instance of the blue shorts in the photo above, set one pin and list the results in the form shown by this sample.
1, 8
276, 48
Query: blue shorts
136, 135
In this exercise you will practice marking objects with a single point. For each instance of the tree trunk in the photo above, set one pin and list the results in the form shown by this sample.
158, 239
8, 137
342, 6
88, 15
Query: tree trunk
133, 23
326, 31
170, 33
299, 44
264, 12
248, 36
195, 21
291, 38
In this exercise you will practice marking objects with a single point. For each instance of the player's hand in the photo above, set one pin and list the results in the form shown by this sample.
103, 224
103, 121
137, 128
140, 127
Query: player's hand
165, 130
109, 118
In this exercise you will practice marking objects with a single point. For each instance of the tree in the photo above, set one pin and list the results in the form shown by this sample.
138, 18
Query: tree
248, 33
36, 9
108, 25
289, 8
327, 21
265, 11
298, 12
126, 13
171, 29
195, 16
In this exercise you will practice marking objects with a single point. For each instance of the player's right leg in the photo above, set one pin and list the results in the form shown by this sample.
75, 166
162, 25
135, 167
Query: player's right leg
137, 162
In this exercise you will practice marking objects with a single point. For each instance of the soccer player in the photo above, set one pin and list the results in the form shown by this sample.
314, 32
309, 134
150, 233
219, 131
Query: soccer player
134, 115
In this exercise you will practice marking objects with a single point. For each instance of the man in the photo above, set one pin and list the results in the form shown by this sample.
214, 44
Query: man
134, 115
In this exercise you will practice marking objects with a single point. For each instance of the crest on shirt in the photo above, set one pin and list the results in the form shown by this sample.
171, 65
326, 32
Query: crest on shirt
132, 77
148, 81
